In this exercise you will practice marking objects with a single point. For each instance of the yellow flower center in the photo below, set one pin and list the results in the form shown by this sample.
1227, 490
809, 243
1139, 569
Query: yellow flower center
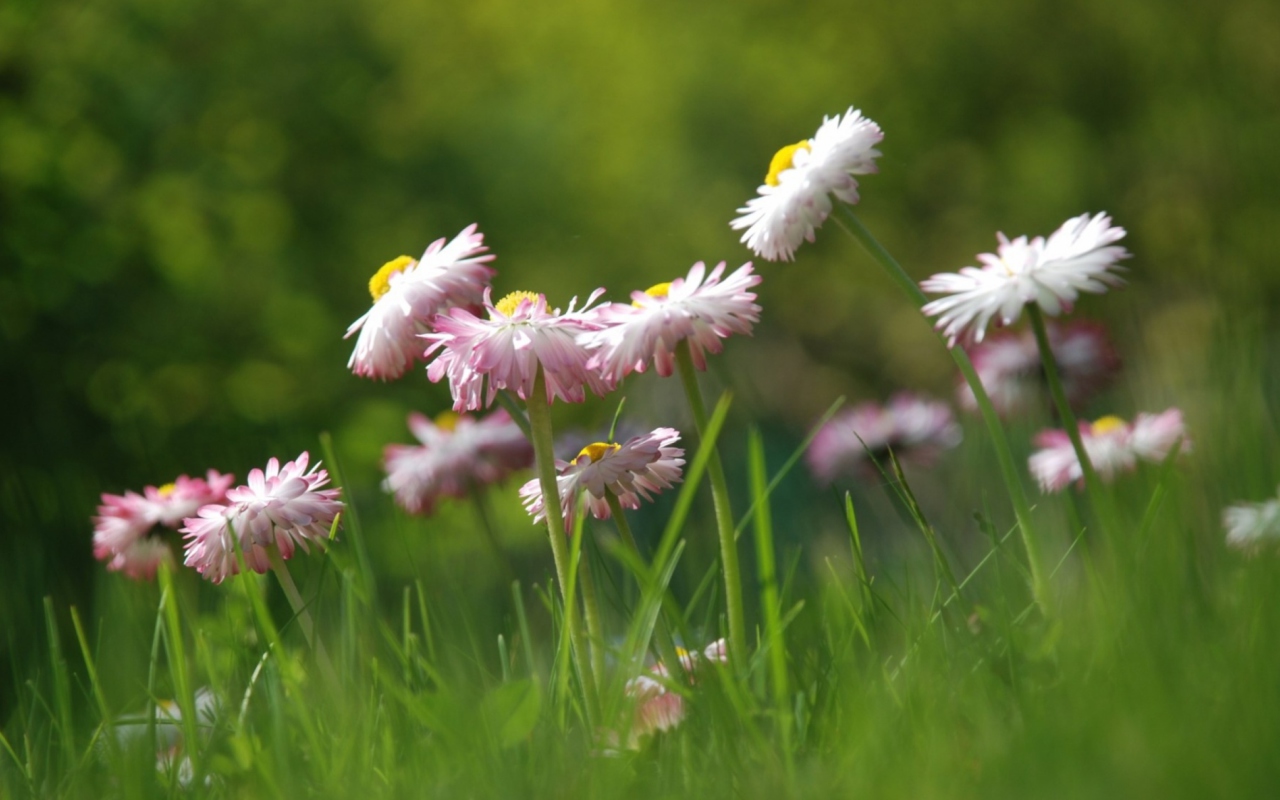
782, 161
597, 451
167, 489
656, 290
447, 420
508, 305
1108, 424
380, 283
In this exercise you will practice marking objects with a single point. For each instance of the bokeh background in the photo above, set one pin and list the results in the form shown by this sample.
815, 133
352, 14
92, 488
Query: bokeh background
194, 195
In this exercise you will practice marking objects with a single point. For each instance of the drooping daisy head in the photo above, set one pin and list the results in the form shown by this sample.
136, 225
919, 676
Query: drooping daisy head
458, 453
1113, 445
914, 428
639, 468
699, 308
1079, 257
518, 335
127, 530
1250, 526
794, 199
407, 293
281, 507
1009, 366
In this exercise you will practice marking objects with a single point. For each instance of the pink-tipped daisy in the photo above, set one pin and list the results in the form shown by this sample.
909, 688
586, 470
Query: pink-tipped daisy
657, 708
282, 507
641, 467
1113, 445
1079, 257
1251, 525
126, 529
407, 293
914, 428
700, 308
1009, 366
793, 202
519, 335
458, 454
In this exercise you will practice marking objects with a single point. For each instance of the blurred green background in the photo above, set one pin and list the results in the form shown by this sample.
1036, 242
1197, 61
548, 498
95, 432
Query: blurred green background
194, 195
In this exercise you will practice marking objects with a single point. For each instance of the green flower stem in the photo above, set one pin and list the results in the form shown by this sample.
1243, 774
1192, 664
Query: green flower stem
724, 515
1091, 480
540, 427
1012, 483
591, 608
303, 614
620, 520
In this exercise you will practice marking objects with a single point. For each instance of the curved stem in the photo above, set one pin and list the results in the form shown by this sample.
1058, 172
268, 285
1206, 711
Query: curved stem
301, 611
620, 520
724, 515
1009, 473
544, 455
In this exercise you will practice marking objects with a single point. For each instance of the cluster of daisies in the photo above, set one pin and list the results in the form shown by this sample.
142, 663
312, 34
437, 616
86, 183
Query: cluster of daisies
281, 508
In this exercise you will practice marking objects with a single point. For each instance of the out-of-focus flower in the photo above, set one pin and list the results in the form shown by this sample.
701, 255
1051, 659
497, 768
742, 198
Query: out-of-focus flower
1012, 374
640, 467
793, 202
656, 707
282, 507
408, 293
701, 311
1078, 257
1251, 525
519, 335
125, 532
131, 731
914, 428
1113, 445
458, 453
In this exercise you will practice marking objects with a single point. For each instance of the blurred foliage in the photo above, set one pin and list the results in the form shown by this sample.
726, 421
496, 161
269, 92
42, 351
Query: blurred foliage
194, 195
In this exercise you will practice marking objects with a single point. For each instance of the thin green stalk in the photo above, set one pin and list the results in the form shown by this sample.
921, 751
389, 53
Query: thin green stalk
544, 455
1008, 472
301, 611
620, 520
724, 515
769, 602
595, 620
1091, 480
61, 685
104, 710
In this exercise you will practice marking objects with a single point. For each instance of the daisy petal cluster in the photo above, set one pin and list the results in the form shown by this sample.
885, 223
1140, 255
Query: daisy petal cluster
458, 453
914, 428
282, 507
657, 708
1078, 257
699, 307
1250, 525
795, 199
123, 530
1114, 446
407, 293
506, 348
641, 467
1009, 366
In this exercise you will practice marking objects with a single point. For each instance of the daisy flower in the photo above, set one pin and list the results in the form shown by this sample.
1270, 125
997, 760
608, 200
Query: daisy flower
698, 307
657, 708
519, 334
1113, 445
640, 467
793, 202
1078, 257
915, 429
458, 453
407, 293
1249, 525
1009, 366
126, 530
282, 507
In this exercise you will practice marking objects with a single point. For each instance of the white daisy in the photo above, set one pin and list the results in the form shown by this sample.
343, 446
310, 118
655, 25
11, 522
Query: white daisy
640, 467
1113, 445
659, 318
1251, 524
408, 293
793, 200
1078, 257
